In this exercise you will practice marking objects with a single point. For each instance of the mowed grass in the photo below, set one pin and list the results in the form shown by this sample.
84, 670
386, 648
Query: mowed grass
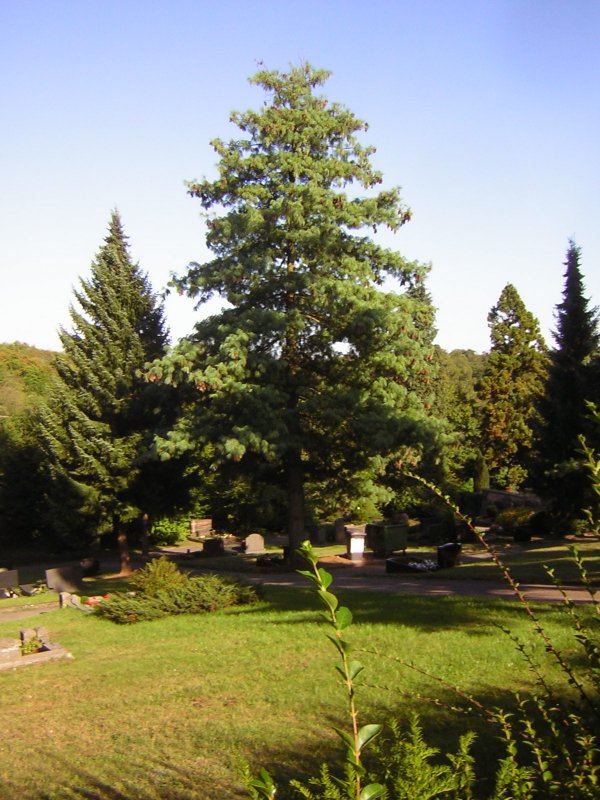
528, 562
166, 709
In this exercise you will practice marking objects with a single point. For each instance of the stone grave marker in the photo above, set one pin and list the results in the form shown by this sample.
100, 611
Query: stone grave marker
213, 547
255, 543
9, 579
340, 530
200, 528
68, 578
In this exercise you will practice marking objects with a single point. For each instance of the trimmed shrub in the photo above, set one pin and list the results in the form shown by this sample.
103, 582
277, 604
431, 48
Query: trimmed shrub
512, 518
195, 596
158, 575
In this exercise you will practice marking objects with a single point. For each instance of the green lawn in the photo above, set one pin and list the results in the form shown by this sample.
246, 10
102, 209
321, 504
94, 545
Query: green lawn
165, 709
528, 561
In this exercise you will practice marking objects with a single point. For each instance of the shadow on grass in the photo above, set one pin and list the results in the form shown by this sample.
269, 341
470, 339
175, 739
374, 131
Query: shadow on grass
444, 719
155, 780
427, 613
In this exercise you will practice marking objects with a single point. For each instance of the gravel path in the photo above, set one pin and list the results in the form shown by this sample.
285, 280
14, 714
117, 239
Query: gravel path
364, 576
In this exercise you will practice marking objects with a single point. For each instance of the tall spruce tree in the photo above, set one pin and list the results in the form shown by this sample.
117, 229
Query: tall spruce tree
311, 367
572, 382
510, 389
103, 413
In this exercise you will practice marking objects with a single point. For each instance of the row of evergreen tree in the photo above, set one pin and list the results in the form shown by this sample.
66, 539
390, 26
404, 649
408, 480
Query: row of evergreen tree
312, 388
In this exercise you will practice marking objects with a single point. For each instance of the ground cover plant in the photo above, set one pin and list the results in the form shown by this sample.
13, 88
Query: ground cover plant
160, 589
162, 709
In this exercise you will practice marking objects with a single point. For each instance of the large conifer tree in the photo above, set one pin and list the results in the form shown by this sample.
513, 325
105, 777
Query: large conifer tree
101, 417
571, 384
311, 366
510, 389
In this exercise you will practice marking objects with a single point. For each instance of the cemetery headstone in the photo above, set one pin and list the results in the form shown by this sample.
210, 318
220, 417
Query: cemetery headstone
255, 543
340, 530
68, 578
200, 528
213, 547
9, 579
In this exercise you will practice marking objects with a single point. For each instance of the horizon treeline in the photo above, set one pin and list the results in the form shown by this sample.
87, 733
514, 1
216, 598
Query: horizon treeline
313, 391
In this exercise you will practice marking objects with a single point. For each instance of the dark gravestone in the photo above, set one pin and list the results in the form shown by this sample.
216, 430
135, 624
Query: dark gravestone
9, 579
340, 530
448, 555
65, 579
90, 567
213, 547
255, 543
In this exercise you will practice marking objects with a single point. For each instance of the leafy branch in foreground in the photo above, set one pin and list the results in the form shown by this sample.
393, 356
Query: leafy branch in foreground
550, 738
408, 766
350, 786
549, 645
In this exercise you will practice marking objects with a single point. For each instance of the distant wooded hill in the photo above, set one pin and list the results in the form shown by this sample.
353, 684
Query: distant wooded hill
25, 375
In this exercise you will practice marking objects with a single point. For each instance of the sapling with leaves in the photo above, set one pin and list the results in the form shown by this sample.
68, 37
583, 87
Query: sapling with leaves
358, 737
550, 737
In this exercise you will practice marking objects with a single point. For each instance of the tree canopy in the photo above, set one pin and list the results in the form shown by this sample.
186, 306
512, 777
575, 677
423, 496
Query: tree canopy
510, 389
313, 367
98, 423
572, 382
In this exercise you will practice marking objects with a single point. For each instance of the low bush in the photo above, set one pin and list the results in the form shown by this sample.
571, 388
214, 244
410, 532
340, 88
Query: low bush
193, 596
158, 575
170, 530
510, 519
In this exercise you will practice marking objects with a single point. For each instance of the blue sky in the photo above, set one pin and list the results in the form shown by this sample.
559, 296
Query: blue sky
487, 114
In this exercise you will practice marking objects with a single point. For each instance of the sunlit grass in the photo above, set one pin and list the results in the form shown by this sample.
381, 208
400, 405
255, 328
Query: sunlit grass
164, 709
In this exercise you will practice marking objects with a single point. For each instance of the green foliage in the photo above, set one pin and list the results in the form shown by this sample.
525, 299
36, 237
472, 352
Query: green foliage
412, 769
313, 372
171, 530
26, 378
31, 646
158, 575
572, 381
190, 596
481, 475
551, 742
457, 406
96, 428
510, 390
511, 518
26, 375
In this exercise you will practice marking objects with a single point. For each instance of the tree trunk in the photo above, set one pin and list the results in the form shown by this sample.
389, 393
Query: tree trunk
296, 521
124, 552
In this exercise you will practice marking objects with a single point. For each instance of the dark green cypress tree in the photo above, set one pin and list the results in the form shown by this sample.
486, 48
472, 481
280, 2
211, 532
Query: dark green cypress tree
510, 390
99, 421
565, 415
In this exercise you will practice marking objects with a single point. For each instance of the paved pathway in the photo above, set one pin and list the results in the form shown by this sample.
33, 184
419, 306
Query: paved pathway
432, 587
366, 576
